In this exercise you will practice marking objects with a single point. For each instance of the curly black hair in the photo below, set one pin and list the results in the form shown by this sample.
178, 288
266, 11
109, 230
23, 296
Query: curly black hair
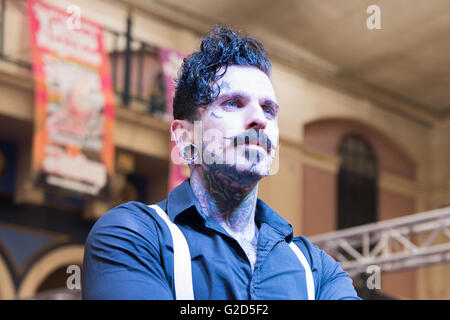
197, 83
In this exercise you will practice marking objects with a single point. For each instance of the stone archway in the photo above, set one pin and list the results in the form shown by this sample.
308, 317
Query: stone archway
63, 256
7, 290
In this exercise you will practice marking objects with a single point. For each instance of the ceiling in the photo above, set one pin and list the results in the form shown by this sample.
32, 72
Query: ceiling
404, 65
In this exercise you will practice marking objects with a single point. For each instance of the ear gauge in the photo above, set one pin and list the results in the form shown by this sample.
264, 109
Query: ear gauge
189, 153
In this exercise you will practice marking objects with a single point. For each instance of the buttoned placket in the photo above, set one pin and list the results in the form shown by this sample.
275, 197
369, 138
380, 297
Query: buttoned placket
269, 238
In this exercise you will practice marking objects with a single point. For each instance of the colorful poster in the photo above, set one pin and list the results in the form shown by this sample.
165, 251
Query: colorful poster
73, 144
171, 62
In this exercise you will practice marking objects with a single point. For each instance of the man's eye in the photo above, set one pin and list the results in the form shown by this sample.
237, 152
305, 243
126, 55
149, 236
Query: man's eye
269, 111
231, 104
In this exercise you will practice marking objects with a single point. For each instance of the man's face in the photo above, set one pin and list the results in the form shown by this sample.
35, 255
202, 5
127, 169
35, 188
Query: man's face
241, 126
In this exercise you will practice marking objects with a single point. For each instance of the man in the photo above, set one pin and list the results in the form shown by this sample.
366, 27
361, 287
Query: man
239, 247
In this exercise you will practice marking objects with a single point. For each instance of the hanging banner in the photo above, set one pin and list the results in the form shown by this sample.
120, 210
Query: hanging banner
171, 62
73, 144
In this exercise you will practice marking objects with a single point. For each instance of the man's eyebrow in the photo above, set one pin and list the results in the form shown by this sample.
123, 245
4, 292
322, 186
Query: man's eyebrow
235, 95
270, 102
242, 95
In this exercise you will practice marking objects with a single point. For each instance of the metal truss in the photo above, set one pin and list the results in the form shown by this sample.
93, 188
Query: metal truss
403, 243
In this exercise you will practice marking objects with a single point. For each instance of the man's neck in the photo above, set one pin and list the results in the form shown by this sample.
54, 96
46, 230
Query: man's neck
230, 201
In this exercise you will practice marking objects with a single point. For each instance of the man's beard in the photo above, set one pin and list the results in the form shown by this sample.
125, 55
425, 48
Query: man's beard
234, 177
239, 162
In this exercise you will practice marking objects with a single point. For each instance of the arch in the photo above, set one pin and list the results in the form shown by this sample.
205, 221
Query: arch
63, 256
357, 185
404, 147
7, 289
326, 134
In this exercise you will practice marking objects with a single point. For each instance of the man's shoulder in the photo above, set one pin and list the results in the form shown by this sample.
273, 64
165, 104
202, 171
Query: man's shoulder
303, 241
333, 281
132, 216
316, 257
311, 251
127, 211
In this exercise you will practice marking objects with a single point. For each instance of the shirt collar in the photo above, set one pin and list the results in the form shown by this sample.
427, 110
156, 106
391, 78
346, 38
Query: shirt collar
265, 214
182, 198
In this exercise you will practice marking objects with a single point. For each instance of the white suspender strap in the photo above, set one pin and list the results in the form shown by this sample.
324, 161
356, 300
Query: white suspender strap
182, 262
308, 273
182, 259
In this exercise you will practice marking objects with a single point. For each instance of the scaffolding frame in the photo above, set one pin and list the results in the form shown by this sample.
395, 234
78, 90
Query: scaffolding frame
412, 241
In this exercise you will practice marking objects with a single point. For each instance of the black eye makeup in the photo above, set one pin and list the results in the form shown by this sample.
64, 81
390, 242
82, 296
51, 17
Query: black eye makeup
231, 103
270, 111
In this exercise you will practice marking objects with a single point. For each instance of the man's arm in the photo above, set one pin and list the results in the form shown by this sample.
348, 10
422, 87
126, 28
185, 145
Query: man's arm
122, 258
331, 281
335, 283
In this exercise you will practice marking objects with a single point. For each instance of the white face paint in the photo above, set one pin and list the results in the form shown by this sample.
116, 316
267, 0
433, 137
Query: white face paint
246, 102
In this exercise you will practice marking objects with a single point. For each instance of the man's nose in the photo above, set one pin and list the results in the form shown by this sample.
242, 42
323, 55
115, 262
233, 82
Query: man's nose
255, 118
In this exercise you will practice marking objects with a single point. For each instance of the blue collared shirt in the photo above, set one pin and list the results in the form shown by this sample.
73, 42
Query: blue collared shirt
129, 255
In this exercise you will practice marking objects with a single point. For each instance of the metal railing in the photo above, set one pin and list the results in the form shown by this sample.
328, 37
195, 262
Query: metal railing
128, 57
403, 243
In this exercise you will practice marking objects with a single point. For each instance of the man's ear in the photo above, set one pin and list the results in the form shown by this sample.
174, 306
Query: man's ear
182, 132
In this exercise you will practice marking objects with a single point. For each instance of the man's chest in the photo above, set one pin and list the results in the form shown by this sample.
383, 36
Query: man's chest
250, 247
225, 269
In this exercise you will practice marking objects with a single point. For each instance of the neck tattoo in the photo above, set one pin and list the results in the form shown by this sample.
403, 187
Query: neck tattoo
230, 199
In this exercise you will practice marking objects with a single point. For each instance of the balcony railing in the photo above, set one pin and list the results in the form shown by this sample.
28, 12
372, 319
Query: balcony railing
135, 68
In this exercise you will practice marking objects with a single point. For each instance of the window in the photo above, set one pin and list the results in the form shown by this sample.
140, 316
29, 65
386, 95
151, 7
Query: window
357, 183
